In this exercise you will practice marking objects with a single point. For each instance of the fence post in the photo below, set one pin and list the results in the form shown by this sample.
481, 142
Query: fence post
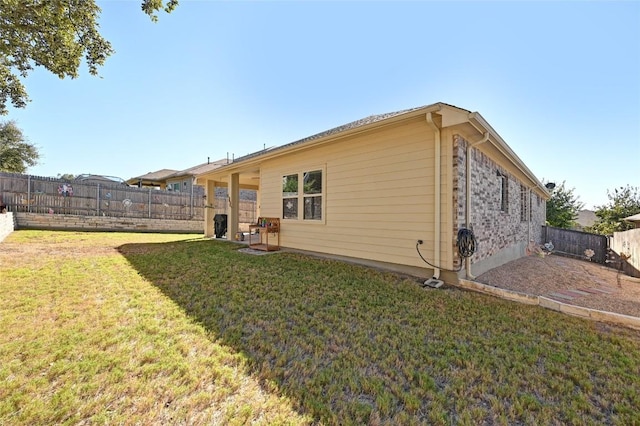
98, 201
149, 203
29, 193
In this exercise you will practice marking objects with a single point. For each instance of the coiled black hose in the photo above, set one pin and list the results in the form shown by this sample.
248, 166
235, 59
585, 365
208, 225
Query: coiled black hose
466, 243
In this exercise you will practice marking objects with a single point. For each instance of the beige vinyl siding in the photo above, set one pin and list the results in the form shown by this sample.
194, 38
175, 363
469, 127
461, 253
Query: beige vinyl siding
378, 195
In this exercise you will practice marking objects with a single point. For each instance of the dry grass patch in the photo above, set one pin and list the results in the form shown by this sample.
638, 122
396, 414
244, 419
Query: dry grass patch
85, 338
349, 345
196, 332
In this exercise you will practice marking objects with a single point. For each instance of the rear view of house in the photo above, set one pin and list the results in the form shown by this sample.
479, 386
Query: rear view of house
371, 189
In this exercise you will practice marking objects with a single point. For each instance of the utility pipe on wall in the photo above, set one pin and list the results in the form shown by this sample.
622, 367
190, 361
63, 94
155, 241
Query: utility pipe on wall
530, 213
436, 185
467, 215
29, 193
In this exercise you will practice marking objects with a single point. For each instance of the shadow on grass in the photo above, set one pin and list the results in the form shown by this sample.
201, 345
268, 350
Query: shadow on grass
351, 345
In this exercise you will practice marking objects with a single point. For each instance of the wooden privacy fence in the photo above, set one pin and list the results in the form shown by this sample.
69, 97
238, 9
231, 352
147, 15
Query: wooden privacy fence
626, 251
246, 210
576, 242
25, 193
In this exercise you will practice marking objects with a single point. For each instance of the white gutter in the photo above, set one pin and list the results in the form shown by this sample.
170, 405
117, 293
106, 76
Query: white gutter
436, 185
467, 219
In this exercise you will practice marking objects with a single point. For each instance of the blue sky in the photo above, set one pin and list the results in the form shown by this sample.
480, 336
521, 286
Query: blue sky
559, 81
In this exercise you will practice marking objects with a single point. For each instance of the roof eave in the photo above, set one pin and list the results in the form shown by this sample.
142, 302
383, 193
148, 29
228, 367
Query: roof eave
289, 148
483, 126
476, 120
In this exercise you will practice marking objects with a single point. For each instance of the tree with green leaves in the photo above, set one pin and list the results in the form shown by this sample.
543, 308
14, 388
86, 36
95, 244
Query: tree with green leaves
16, 153
563, 207
55, 34
66, 176
623, 202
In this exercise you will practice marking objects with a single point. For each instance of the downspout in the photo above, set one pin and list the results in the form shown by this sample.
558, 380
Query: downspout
193, 184
530, 212
467, 215
436, 198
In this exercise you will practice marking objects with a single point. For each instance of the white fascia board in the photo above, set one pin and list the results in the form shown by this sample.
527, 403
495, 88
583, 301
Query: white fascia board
478, 121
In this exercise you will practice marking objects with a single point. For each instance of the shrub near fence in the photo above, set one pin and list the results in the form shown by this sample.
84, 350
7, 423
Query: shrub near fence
32, 194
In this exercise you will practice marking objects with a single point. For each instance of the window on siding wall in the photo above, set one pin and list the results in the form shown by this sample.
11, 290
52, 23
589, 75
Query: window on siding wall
310, 195
504, 192
290, 197
312, 188
524, 204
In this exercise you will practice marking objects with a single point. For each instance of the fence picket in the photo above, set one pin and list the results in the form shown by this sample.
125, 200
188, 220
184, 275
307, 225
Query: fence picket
26, 193
576, 242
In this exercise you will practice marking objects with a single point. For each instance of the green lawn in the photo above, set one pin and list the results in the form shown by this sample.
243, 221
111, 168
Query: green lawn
168, 329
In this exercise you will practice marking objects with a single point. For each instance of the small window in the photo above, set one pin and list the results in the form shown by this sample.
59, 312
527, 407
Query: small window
290, 197
290, 208
524, 204
312, 195
504, 192
305, 191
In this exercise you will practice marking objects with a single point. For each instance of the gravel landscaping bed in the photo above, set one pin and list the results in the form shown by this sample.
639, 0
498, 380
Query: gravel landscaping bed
572, 281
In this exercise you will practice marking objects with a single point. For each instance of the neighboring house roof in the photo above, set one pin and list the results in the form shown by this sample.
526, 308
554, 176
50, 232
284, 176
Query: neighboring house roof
151, 177
457, 116
634, 218
161, 176
89, 178
199, 169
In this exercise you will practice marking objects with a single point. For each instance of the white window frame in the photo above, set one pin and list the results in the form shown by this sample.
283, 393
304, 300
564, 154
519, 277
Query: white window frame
300, 196
174, 186
290, 197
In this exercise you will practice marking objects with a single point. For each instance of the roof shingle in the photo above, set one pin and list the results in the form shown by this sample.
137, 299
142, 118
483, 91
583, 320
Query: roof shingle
343, 128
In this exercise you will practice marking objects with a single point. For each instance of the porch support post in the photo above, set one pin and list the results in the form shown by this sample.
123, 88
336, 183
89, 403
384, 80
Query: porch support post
209, 210
233, 219
258, 203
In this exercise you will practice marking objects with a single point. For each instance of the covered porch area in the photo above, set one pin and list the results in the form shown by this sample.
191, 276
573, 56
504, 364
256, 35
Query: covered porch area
233, 179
